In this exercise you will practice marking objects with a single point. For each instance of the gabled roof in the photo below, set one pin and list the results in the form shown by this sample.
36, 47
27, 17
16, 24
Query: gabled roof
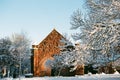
53, 33
50, 45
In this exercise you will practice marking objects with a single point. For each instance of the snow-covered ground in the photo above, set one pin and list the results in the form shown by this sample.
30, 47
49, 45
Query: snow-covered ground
85, 77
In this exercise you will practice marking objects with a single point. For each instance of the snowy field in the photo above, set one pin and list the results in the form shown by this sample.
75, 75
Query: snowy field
85, 77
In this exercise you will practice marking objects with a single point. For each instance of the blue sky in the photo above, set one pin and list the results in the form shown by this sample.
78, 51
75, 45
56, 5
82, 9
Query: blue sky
36, 17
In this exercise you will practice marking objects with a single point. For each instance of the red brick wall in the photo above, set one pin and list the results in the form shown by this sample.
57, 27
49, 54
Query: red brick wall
43, 51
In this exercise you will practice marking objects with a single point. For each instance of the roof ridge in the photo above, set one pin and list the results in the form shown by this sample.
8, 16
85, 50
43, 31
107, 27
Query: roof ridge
53, 31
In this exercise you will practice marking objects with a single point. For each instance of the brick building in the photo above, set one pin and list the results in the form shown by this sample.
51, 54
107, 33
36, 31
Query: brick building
44, 51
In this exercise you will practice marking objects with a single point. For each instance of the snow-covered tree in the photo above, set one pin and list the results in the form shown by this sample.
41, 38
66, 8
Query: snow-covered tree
70, 56
104, 10
65, 57
102, 42
99, 30
5, 56
20, 50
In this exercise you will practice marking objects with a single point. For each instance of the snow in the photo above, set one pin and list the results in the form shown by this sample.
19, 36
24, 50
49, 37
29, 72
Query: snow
116, 72
85, 77
89, 74
29, 74
102, 73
